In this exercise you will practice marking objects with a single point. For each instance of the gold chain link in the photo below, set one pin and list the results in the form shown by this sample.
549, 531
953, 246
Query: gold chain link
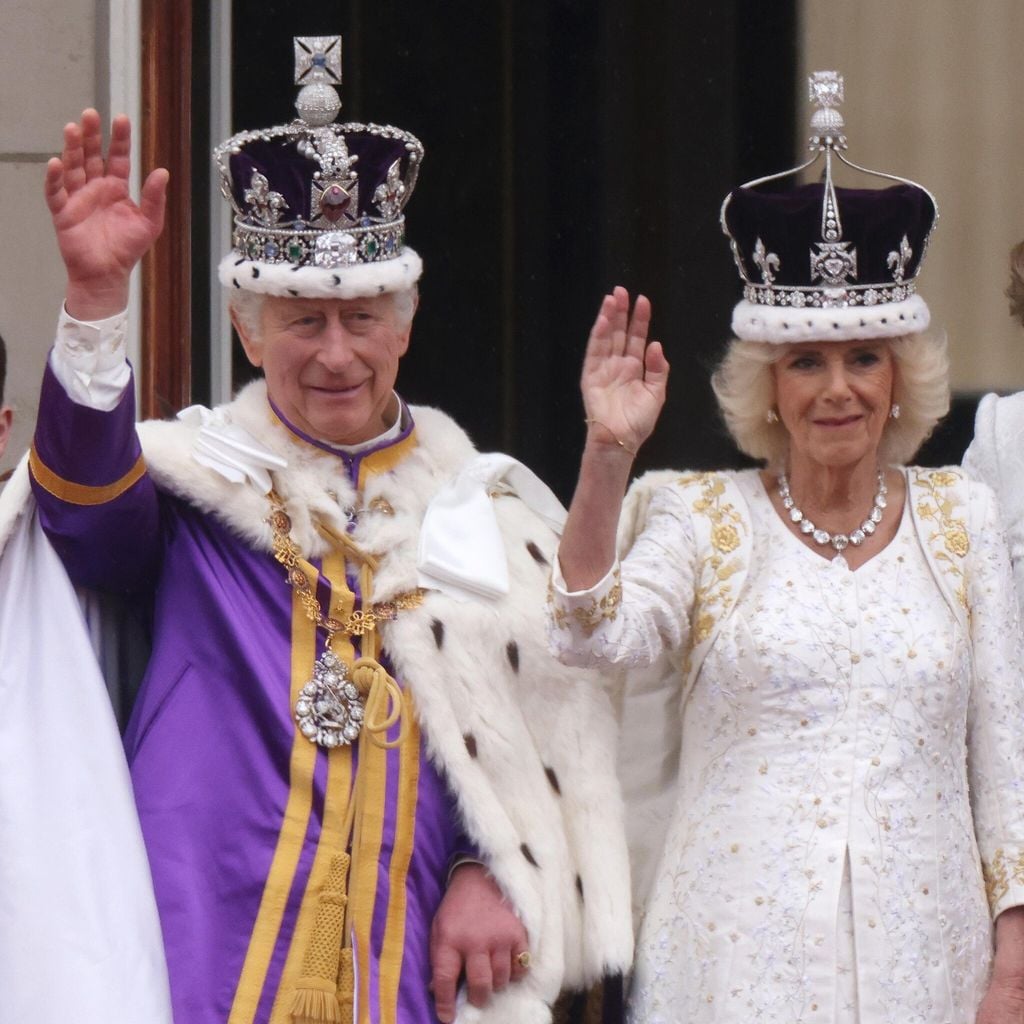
359, 622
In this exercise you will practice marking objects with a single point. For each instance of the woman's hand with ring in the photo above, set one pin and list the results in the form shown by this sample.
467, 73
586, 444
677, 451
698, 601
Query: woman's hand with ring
624, 378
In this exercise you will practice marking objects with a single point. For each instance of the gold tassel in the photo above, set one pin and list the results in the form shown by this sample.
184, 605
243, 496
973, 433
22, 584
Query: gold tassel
347, 985
313, 1006
316, 998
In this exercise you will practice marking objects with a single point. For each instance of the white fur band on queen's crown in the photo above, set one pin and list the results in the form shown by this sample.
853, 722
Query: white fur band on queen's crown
784, 324
356, 281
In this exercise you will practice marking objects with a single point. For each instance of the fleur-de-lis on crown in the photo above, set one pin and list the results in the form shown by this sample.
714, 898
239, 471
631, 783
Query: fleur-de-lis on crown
897, 261
266, 205
389, 196
767, 261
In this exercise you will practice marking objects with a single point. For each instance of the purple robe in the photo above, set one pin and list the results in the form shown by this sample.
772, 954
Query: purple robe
240, 813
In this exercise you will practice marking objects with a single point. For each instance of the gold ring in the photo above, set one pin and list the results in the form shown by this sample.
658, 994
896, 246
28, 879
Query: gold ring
523, 959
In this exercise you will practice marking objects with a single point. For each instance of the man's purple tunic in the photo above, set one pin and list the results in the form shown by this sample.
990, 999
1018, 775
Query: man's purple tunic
232, 799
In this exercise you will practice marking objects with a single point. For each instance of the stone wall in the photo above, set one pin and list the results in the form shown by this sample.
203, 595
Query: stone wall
933, 93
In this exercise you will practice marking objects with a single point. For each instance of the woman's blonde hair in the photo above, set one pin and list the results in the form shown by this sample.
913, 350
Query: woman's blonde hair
745, 387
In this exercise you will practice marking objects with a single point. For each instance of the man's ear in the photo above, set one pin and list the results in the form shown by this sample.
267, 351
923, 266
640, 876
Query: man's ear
407, 333
6, 418
253, 348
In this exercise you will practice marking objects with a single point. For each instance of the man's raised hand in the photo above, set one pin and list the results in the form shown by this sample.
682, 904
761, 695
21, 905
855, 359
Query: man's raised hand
101, 232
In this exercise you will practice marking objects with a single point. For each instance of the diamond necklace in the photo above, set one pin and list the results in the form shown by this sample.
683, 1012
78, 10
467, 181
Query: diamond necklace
839, 541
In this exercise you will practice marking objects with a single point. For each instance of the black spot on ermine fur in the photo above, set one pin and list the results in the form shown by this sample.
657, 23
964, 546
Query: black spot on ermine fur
553, 779
437, 628
536, 554
512, 650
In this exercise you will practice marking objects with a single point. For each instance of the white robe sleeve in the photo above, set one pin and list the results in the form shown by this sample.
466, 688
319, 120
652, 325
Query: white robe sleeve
995, 722
996, 457
642, 606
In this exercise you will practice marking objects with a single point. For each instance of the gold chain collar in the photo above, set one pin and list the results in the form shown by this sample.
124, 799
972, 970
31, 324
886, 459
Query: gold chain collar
359, 622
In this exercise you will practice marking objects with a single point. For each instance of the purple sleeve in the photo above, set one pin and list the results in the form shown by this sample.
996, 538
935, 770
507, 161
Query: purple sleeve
97, 504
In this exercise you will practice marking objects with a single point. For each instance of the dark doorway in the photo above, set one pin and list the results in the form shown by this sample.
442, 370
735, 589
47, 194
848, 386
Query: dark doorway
570, 146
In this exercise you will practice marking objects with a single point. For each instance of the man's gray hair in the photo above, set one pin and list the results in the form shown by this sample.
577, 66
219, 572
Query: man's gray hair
248, 308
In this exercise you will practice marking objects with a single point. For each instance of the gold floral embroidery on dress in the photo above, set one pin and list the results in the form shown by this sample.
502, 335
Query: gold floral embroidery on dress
950, 543
714, 595
590, 615
1000, 873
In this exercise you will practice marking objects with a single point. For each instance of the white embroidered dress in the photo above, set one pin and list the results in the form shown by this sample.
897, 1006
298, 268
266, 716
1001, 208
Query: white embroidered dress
822, 857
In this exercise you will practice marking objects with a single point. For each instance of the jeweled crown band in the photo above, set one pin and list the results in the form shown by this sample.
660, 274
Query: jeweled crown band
310, 247
828, 298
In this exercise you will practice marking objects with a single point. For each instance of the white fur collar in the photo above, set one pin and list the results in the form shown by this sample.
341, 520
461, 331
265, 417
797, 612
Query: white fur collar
315, 485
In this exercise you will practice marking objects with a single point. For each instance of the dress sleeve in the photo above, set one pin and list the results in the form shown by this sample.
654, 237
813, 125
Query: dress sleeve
996, 457
97, 504
641, 607
981, 457
995, 725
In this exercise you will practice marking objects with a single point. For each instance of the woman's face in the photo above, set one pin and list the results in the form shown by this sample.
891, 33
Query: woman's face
834, 399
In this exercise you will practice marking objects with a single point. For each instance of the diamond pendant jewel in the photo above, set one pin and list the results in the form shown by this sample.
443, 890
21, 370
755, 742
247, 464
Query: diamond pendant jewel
329, 709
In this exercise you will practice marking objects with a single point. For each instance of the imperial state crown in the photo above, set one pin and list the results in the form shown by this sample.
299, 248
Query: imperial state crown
319, 206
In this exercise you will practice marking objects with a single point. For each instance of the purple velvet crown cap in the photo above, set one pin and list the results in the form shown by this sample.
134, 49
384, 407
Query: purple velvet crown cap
290, 173
789, 225
319, 206
799, 287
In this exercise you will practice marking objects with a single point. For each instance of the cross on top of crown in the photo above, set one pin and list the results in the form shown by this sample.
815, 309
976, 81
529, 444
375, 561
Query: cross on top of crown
317, 59
825, 88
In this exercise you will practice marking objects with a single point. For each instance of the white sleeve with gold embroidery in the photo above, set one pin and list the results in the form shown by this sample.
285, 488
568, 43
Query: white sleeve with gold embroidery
641, 607
995, 725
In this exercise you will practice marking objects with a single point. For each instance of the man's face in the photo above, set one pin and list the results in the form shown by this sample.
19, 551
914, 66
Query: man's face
330, 364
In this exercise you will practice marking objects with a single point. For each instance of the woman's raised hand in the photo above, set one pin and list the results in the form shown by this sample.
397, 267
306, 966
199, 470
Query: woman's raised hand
102, 233
624, 378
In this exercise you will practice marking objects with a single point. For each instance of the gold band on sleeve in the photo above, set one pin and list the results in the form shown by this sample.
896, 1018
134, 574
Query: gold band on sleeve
82, 494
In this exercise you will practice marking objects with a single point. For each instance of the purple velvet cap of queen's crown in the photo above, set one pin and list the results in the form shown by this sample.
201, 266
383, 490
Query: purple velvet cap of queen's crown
319, 206
820, 262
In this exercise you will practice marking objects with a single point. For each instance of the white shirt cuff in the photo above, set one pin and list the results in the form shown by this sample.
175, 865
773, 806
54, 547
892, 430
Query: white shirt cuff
89, 359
